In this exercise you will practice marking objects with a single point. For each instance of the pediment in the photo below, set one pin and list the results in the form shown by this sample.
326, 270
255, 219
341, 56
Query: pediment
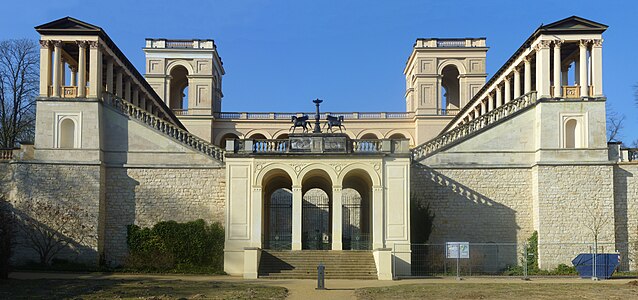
574, 23
67, 24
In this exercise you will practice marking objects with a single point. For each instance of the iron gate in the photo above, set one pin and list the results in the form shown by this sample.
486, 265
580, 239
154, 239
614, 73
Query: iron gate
316, 234
354, 236
279, 208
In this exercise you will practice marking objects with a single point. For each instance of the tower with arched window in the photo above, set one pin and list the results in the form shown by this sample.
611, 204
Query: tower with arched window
187, 75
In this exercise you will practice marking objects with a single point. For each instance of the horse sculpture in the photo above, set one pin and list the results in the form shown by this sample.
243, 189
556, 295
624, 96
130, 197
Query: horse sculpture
299, 122
333, 121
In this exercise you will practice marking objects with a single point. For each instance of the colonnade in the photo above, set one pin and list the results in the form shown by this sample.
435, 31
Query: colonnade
94, 70
550, 69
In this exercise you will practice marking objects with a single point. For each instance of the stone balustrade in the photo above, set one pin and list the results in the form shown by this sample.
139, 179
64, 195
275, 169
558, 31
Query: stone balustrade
317, 143
289, 115
6, 154
475, 125
167, 128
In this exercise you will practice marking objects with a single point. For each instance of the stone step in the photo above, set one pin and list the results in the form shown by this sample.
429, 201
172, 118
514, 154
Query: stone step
303, 264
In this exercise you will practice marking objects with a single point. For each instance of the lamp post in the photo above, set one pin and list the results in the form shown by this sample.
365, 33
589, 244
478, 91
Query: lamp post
317, 116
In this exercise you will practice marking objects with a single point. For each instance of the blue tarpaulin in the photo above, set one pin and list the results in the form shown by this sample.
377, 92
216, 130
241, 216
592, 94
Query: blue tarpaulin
606, 264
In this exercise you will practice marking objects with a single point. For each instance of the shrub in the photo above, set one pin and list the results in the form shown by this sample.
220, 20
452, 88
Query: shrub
176, 247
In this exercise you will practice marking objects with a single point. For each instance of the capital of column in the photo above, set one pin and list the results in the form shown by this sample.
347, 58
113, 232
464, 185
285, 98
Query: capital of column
256, 188
73, 68
526, 60
57, 44
94, 44
583, 43
377, 188
542, 45
296, 188
45, 44
597, 42
517, 69
557, 43
498, 88
337, 188
81, 44
506, 79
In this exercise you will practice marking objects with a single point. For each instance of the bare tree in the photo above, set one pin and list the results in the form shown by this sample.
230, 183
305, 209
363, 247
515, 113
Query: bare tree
18, 88
8, 232
615, 124
49, 227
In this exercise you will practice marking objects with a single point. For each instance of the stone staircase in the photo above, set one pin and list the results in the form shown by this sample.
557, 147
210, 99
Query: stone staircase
473, 127
303, 264
166, 128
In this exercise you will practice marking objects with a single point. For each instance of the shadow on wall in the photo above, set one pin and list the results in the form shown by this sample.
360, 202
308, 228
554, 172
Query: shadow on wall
621, 217
119, 213
57, 202
465, 215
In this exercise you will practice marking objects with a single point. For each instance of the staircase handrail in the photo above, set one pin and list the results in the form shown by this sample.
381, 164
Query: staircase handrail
428, 148
146, 117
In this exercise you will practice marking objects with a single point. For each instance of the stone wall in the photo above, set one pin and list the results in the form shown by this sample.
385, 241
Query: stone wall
478, 205
145, 196
573, 200
36, 191
626, 213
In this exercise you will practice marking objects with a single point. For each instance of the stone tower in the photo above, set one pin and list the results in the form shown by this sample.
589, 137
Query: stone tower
442, 75
187, 75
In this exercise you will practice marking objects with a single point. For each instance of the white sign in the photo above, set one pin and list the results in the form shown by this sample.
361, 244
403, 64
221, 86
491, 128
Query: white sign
457, 250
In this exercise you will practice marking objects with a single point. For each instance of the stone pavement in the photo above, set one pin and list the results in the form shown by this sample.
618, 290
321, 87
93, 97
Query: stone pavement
305, 288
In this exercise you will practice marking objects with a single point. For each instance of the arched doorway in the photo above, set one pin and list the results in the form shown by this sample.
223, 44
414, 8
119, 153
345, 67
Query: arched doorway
369, 136
316, 227
450, 84
356, 211
179, 88
277, 211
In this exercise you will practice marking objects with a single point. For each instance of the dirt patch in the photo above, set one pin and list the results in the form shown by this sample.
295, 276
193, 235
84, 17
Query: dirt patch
633, 283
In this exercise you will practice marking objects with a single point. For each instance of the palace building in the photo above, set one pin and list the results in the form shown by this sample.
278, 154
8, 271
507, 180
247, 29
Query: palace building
496, 160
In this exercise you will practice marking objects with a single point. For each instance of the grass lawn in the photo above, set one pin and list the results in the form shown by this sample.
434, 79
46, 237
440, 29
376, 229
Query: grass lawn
522, 290
134, 289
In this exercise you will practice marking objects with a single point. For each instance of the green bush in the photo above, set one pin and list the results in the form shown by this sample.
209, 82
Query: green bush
176, 247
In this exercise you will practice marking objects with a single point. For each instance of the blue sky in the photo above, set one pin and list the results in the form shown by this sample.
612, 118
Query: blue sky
279, 55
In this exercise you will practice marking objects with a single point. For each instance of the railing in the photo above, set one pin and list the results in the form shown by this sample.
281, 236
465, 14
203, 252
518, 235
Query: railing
450, 43
164, 127
426, 149
288, 115
448, 112
301, 144
179, 44
6, 154
366, 146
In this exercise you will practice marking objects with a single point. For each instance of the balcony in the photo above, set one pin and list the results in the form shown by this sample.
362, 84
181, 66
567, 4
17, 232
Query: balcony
299, 144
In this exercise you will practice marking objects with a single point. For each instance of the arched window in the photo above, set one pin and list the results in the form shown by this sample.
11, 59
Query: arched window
572, 136
179, 88
369, 136
67, 134
451, 86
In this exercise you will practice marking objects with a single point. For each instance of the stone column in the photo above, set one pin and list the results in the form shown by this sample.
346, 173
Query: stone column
127, 90
377, 217
499, 96
476, 112
297, 202
582, 68
557, 64
74, 75
517, 82
143, 101
63, 73
597, 67
95, 70
109, 76
528, 76
255, 236
82, 68
337, 218
542, 69
45, 67
57, 63
508, 92
490, 102
119, 82
135, 99
483, 108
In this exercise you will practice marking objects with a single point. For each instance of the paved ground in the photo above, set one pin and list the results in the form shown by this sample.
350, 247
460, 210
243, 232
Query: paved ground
305, 288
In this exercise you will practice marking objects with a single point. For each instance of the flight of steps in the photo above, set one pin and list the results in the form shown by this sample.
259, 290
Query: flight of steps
303, 264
